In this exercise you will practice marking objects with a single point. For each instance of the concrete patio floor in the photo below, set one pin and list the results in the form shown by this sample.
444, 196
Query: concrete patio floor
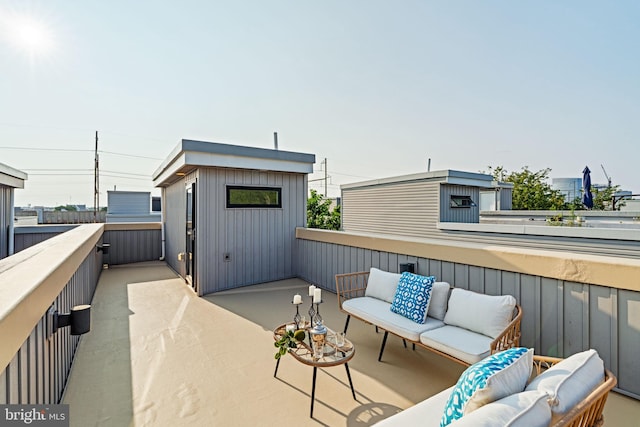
158, 355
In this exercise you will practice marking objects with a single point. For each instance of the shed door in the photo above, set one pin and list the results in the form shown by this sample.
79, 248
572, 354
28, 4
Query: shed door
190, 261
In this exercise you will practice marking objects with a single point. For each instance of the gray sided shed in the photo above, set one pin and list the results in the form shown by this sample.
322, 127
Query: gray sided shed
222, 246
130, 206
10, 179
413, 205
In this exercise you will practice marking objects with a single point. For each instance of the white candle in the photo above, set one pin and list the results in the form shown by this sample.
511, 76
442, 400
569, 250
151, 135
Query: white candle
311, 289
297, 299
317, 296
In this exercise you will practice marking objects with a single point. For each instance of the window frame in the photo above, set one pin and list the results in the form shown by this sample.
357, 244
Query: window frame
230, 188
466, 202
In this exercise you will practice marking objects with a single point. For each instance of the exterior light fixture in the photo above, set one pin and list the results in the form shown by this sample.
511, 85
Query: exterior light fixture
409, 267
104, 248
79, 319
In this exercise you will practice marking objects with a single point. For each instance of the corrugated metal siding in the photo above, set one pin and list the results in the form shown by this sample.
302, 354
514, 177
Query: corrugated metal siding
465, 215
259, 241
25, 240
128, 203
378, 209
559, 317
38, 373
128, 246
5, 219
505, 199
175, 224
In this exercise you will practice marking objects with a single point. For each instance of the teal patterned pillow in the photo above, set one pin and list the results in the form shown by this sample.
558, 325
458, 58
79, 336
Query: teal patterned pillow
412, 296
491, 379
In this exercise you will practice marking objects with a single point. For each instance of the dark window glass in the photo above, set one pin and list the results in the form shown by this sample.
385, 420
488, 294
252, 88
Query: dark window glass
462, 202
254, 197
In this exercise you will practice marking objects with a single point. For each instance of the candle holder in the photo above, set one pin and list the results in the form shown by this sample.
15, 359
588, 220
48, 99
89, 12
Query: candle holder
317, 334
317, 319
312, 313
296, 317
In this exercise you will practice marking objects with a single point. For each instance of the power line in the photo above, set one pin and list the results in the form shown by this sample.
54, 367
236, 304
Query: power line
129, 155
67, 150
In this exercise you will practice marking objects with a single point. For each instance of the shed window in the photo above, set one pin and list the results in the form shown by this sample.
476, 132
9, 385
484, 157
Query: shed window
462, 202
254, 197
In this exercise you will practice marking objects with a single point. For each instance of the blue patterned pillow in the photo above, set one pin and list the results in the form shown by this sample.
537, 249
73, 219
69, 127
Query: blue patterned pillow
412, 297
491, 379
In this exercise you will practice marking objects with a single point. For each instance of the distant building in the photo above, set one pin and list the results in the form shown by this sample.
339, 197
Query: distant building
569, 187
130, 206
10, 179
415, 205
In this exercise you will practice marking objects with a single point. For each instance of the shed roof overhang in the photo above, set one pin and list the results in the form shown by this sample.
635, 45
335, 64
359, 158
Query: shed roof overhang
189, 155
448, 176
11, 177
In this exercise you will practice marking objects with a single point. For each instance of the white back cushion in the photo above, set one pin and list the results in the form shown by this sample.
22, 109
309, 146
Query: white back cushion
571, 380
526, 409
485, 314
439, 299
382, 285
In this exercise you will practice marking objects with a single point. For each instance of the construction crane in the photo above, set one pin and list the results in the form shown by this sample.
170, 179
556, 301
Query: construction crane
607, 176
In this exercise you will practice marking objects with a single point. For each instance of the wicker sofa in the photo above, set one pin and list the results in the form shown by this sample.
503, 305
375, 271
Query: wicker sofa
461, 325
573, 394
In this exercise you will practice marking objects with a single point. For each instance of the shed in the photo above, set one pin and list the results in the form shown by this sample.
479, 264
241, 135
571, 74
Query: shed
413, 205
130, 206
230, 212
10, 179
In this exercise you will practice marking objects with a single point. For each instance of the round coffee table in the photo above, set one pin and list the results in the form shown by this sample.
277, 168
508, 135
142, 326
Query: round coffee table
333, 356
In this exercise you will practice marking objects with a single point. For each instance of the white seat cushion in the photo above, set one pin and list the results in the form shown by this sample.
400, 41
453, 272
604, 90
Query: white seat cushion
571, 380
439, 300
458, 342
486, 314
526, 409
491, 379
382, 285
377, 312
425, 414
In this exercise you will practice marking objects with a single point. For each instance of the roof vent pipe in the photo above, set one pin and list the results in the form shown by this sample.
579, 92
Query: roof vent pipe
275, 140
429, 165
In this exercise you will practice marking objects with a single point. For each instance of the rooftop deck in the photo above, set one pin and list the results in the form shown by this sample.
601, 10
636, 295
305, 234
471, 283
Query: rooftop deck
158, 355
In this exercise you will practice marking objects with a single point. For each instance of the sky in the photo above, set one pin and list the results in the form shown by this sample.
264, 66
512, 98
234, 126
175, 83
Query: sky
375, 87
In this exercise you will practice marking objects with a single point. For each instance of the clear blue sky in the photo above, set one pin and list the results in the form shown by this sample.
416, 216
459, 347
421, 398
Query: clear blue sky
377, 87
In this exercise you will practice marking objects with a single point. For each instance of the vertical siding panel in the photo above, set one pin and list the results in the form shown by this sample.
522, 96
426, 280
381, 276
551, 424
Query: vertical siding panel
435, 269
32, 366
23, 374
550, 307
491, 281
3, 388
461, 273
601, 322
13, 385
476, 279
448, 273
628, 326
573, 306
510, 283
529, 300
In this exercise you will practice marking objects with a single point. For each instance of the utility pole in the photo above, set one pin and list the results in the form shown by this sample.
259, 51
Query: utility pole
325, 178
96, 183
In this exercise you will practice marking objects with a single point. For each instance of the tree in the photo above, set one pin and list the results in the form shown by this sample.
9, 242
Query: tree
530, 189
69, 208
603, 198
319, 213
